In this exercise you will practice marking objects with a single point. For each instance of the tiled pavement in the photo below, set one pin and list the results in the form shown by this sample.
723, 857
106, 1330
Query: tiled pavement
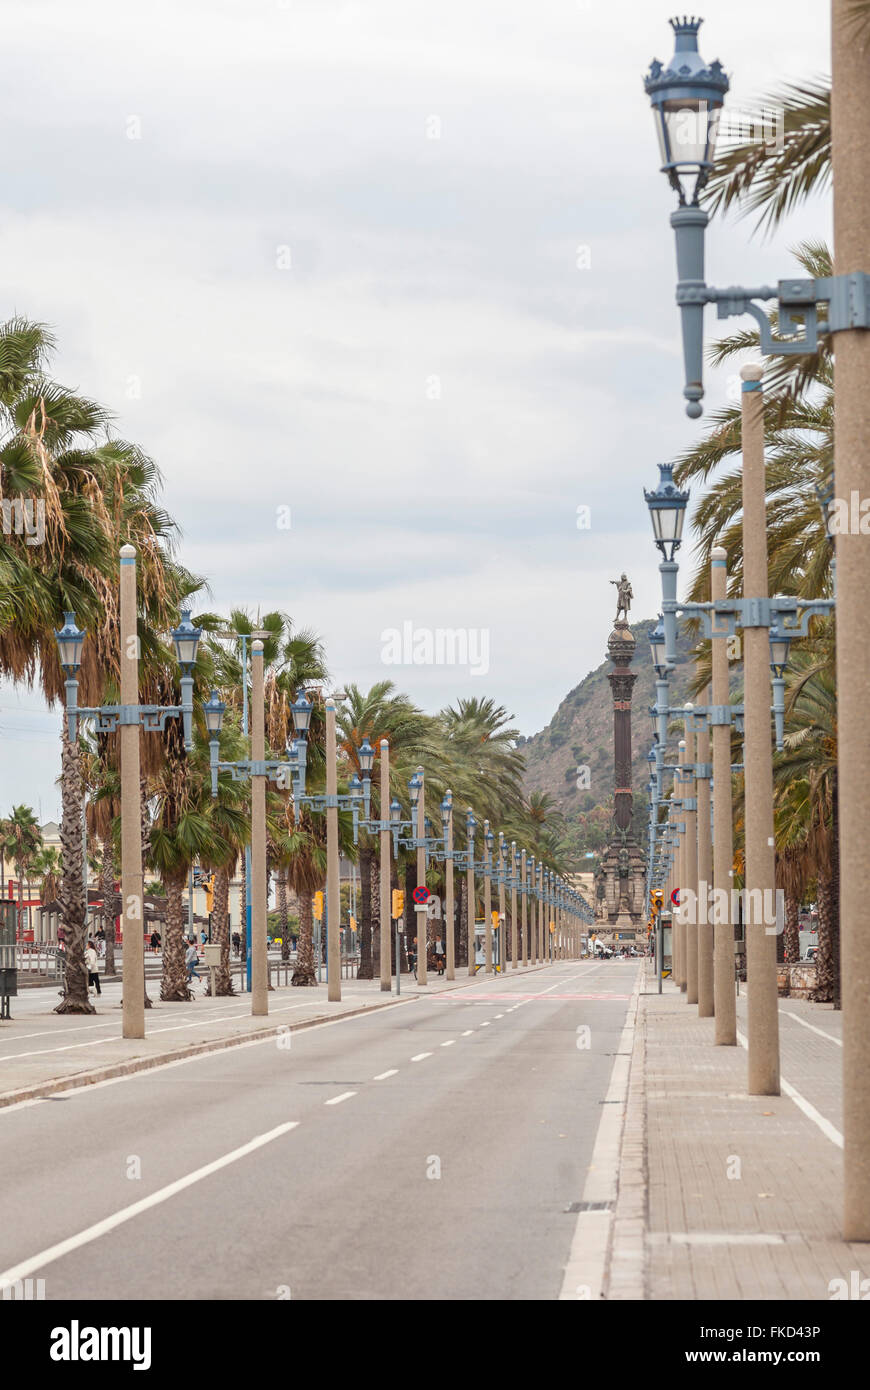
742, 1193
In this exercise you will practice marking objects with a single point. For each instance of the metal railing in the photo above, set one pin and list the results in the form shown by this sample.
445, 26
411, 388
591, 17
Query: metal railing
39, 958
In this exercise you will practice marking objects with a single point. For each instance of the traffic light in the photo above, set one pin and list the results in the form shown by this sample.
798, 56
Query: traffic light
657, 900
398, 903
317, 907
208, 885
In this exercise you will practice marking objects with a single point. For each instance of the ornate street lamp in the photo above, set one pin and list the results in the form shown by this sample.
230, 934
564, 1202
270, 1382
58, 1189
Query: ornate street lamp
300, 710
687, 97
657, 648
109, 718
667, 508
185, 639
213, 712
70, 640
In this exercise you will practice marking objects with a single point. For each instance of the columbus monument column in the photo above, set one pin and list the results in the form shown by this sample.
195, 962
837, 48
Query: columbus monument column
620, 881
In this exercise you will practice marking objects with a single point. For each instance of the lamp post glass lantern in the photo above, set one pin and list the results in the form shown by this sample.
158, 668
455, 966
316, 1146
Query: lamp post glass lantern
686, 97
667, 508
185, 639
70, 640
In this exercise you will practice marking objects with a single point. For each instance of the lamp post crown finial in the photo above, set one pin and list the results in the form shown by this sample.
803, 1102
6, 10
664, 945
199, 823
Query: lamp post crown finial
687, 25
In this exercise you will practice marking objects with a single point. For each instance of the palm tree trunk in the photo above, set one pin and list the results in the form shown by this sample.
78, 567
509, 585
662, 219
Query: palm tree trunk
304, 973
283, 915
835, 897
376, 913
366, 865
223, 976
411, 918
107, 884
73, 906
791, 935
173, 986
145, 829
828, 958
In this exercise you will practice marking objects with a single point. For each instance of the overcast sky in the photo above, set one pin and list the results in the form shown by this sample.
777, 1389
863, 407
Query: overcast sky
402, 268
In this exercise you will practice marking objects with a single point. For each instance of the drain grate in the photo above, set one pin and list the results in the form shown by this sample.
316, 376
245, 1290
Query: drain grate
589, 1206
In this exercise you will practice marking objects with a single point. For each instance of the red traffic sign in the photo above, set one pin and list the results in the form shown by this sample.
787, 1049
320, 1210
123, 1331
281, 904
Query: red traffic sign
421, 894
675, 897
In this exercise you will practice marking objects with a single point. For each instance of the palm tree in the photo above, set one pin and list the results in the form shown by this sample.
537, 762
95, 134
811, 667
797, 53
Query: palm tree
21, 844
414, 738
810, 757
96, 496
773, 178
304, 852
47, 864
231, 830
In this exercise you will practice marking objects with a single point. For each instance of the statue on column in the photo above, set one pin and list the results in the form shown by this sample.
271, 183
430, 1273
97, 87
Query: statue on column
624, 596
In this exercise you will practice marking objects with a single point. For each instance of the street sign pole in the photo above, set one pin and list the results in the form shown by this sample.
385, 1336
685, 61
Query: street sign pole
398, 959
660, 948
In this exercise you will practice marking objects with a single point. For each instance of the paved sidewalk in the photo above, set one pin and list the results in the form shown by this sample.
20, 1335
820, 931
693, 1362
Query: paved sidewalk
42, 1052
743, 1193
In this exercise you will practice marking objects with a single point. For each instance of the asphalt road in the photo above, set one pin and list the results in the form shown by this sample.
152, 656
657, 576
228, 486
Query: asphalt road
429, 1150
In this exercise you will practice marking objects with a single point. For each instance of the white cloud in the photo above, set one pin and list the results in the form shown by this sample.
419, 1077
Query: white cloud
304, 125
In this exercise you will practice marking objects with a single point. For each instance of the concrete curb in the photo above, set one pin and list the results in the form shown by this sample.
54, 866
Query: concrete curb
627, 1271
136, 1064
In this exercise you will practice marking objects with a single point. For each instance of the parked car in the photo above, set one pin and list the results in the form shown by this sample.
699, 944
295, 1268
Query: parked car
810, 953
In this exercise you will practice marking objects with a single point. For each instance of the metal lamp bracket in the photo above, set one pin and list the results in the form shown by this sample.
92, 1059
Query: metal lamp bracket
847, 298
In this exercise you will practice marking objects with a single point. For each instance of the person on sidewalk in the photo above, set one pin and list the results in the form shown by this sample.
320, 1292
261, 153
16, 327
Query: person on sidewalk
439, 956
237, 943
191, 960
155, 941
91, 967
412, 958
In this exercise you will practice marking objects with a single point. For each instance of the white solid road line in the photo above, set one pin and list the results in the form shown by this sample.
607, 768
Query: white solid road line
838, 1042
102, 1228
394, 1071
830, 1131
420, 1056
584, 1272
336, 1100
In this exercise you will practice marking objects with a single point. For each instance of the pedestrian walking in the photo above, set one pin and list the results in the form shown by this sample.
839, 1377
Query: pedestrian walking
91, 966
191, 960
155, 941
439, 956
237, 942
412, 957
